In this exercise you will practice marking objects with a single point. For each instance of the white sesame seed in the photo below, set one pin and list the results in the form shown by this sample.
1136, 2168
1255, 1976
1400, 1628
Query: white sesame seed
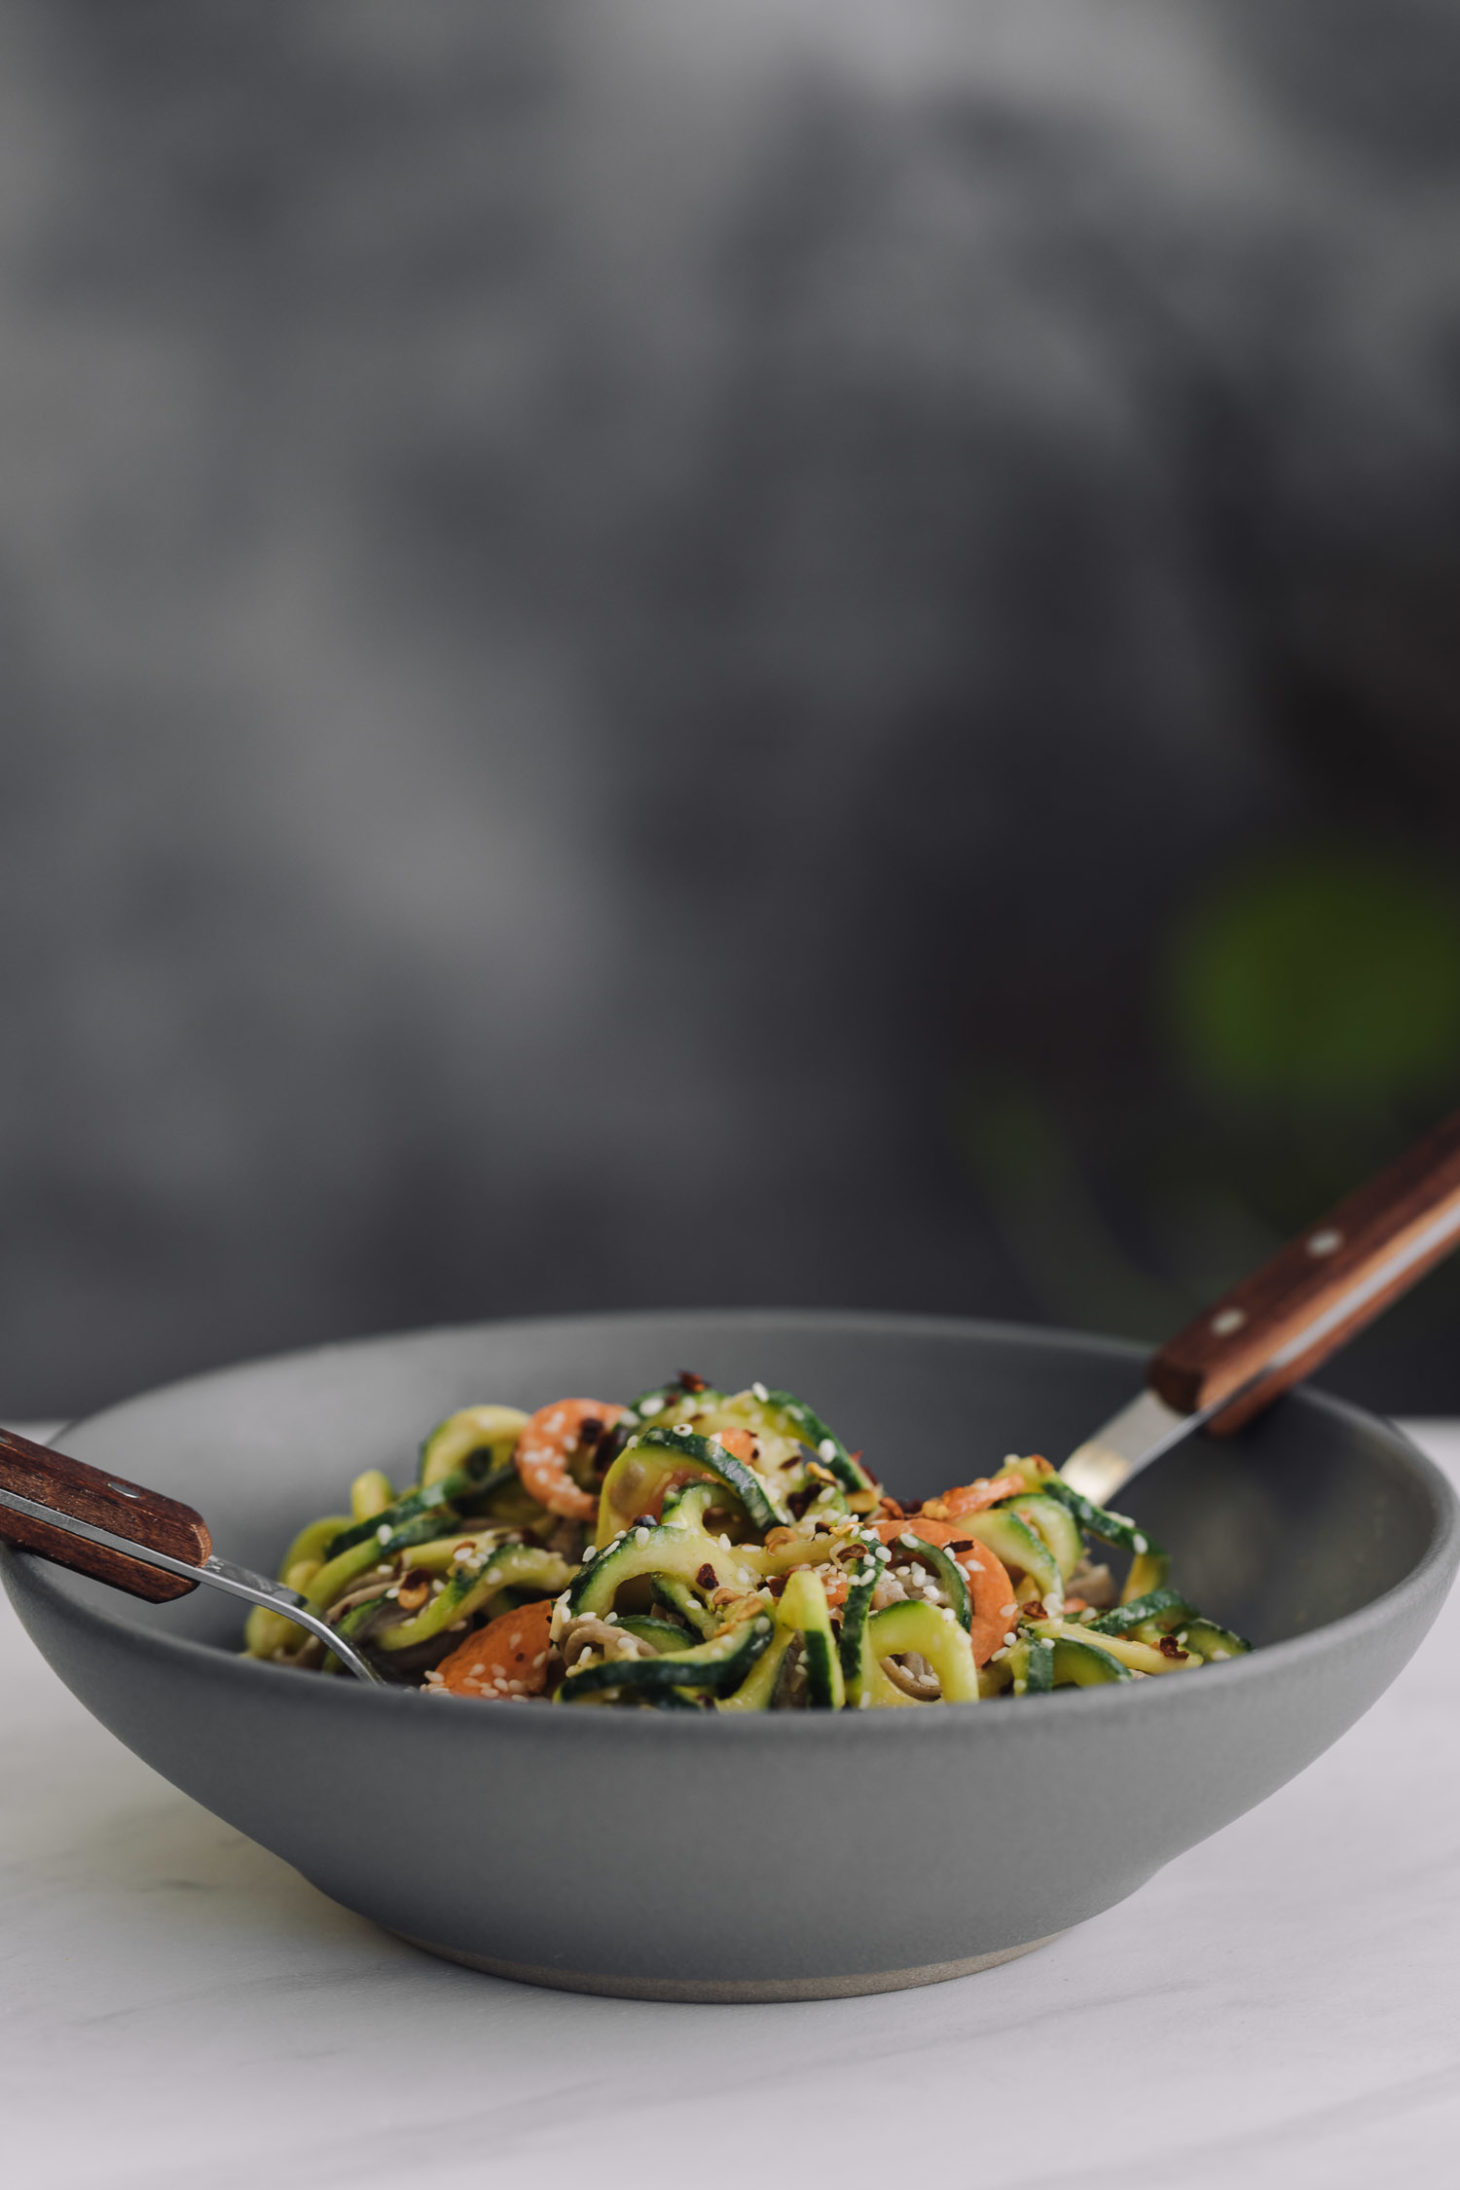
1139, 1546
382, 1534
1011, 1637
590, 1554
826, 1450
641, 1536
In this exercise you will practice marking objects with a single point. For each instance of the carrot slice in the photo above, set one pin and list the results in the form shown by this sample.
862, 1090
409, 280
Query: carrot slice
994, 1605
970, 1497
507, 1657
740, 1443
932, 1530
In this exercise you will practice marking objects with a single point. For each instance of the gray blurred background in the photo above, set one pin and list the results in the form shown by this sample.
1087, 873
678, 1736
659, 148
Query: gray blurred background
671, 653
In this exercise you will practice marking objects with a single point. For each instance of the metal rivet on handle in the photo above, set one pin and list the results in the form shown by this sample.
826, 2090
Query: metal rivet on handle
1324, 1243
123, 1490
1228, 1321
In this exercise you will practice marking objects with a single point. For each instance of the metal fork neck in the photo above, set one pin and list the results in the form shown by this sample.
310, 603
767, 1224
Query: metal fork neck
215, 1573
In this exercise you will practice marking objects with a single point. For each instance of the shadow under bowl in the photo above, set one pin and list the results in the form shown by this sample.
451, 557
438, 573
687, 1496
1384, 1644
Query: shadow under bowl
757, 1857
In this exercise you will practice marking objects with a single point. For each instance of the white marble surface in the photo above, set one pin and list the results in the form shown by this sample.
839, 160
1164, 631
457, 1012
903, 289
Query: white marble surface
1279, 2008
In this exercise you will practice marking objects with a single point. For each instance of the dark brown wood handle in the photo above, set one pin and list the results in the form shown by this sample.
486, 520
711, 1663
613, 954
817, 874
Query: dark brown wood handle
106, 1501
1277, 1325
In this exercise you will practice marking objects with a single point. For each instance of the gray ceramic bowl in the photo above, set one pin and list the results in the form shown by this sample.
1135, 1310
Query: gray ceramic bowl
763, 1857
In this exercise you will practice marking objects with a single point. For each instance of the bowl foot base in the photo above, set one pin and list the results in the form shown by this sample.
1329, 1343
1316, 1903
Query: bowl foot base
730, 1991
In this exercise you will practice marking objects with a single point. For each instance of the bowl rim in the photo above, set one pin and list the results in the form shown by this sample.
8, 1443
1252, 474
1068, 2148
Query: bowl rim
24, 1573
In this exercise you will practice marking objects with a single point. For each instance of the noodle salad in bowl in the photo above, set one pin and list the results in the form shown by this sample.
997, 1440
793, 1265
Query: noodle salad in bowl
703, 1551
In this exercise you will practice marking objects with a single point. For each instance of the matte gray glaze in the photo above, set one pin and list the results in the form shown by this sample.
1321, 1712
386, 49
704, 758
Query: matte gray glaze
784, 1856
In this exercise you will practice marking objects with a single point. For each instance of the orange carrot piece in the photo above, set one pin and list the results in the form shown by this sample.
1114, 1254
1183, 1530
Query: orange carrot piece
970, 1497
994, 1607
511, 1649
932, 1530
740, 1443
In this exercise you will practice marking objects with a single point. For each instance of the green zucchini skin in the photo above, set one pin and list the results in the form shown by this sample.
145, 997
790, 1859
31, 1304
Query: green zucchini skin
1033, 1664
857, 1660
681, 1598
689, 1504
435, 1500
650, 1459
949, 1574
1012, 1540
923, 1627
1053, 1523
776, 1413
801, 1613
471, 1588
1205, 1639
1149, 1562
477, 1440
803, 1607
675, 1400
1085, 1665
441, 1499
714, 1666
312, 1542
1111, 1528
659, 1548
793, 1418
663, 1634
335, 1576
481, 1472
1163, 1609
762, 1684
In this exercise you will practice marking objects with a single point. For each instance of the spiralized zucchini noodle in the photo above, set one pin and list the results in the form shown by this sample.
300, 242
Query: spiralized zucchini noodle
703, 1551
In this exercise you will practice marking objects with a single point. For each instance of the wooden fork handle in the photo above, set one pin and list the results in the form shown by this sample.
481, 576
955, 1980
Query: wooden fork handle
1277, 1325
106, 1501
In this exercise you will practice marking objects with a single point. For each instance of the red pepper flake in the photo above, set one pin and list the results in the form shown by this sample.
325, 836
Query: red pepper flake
1169, 1647
707, 1577
689, 1382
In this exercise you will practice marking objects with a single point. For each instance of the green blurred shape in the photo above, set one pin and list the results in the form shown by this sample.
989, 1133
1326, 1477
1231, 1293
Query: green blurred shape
1322, 978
